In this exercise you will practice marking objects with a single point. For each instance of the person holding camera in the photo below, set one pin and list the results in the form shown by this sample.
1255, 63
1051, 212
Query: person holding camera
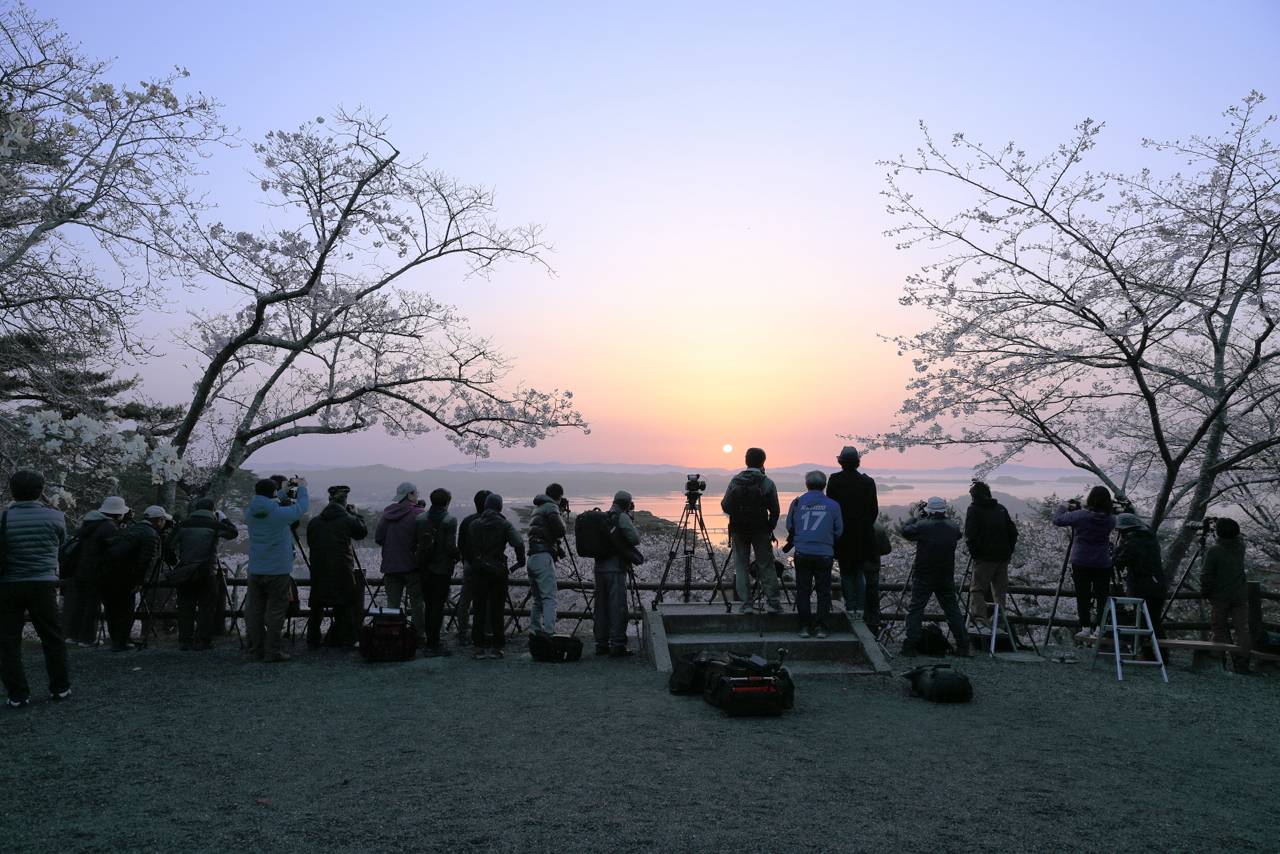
395, 534
335, 585
31, 535
1138, 557
269, 519
1091, 561
934, 572
857, 549
751, 503
435, 549
98, 529
991, 535
814, 523
610, 617
546, 530
487, 539
192, 549
1224, 583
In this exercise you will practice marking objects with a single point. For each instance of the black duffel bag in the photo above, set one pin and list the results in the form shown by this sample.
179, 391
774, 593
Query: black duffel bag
939, 683
745, 686
554, 647
689, 671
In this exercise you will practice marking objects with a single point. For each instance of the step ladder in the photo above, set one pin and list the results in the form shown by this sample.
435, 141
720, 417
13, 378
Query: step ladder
999, 616
1142, 627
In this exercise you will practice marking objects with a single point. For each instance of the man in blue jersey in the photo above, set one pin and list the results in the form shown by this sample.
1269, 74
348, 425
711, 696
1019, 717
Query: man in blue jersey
814, 522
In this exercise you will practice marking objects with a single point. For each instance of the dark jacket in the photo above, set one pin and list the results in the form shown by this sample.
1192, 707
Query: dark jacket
624, 534
33, 534
988, 530
96, 533
1138, 557
546, 526
855, 492
333, 563
133, 553
1092, 544
1222, 578
487, 538
195, 541
935, 541
442, 556
464, 542
395, 534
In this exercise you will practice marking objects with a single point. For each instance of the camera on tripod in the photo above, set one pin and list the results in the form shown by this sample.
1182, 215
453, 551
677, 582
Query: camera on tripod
694, 485
1206, 526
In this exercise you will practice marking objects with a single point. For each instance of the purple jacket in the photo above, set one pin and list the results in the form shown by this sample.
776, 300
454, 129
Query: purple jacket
1092, 545
395, 534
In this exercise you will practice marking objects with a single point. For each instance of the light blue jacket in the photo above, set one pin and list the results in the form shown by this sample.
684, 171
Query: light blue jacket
270, 540
33, 535
814, 523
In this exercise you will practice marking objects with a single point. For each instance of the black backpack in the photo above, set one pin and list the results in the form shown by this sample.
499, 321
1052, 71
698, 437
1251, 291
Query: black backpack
69, 556
425, 534
487, 540
593, 534
932, 640
748, 510
939, 683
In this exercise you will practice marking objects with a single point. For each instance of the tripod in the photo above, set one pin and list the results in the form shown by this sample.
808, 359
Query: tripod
1197, 555
691, 533
230, 601
1066, 562
886, 630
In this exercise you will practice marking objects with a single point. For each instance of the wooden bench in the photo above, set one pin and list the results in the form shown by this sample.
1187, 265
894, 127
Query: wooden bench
1201, 650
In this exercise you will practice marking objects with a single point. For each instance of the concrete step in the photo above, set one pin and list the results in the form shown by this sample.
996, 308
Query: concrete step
837, 647
682, 619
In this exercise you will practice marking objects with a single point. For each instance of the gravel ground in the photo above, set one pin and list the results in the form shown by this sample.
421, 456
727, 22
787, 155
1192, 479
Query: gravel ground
168, 751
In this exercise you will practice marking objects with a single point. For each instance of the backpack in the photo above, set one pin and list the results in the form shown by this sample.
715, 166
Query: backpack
748, 511
554, 648
488, 544
69, 557
593, 533
425, 534
883, 544
939, 683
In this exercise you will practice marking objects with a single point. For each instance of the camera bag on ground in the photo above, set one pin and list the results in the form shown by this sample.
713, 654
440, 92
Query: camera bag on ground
387, 636
932, 640
554, 647
593, 534
939, 683
689, 671
745, 686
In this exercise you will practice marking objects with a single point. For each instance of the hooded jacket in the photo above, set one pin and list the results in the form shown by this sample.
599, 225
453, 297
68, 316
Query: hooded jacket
753, 478
935, 539
624, 533
1222, 577
1092, 544
1138, 557
988, 530
97, 531
195, 541
396, 535
329, 536
33, 534
443, 555
270, 540
855, 492
546, 526
488, 536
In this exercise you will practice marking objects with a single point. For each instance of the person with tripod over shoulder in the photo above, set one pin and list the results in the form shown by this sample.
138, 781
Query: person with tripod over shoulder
751, 503
192, 549
269, 519
1091, 563
611, 575
546, 530
335, 586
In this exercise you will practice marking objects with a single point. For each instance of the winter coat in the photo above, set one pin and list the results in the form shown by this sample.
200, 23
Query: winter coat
487, 538
33, 534
814, 523
1138, 556
96, 533
546, 526
270, 538
855, 492
1223, 579
133, 553
195, 541
464, 543
935, 540
441, 558
333, 563
988, 530
754, 479
624, 533
396, 535
1092, 544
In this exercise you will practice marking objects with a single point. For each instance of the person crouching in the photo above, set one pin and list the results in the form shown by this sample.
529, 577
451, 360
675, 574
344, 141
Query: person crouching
814, 523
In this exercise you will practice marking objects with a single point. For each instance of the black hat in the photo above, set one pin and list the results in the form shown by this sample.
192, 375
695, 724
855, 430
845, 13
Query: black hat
335, 491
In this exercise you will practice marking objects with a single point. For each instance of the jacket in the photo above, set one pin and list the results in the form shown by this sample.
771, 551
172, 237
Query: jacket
546, 526
1092, 544
855, 492
814, 522
935, 541
488, 537
988, 530
133, 553
97, 531
333, 563
195, 541
396, 535
753, 478
442, 557
33, 535
464, 542
1222, 578
1138, 557
270, 538
624, 532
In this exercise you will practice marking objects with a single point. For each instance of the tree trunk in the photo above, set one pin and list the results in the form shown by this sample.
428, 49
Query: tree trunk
1200, 497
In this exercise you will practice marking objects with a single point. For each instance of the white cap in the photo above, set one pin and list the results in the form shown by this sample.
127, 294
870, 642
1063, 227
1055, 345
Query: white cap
155, 511
113, 505
935, 505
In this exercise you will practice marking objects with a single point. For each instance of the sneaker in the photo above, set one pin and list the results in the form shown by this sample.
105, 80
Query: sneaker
480, 653
804, 631
1084, 635
746, 608
72, 642
620, 652
820, 633
60, 696
17, 704
497, 653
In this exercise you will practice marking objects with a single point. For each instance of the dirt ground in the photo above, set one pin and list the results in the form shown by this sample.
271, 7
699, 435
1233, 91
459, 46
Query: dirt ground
167, 751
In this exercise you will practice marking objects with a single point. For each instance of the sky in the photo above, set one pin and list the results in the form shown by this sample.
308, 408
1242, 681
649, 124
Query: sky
707, 174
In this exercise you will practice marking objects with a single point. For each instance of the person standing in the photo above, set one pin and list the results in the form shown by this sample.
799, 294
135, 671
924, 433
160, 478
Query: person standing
857, 549
98, 529
751, 503
934, 573
335, 586
193, 550
814, 523
487, 539
436, 551
395, 534
31, 535
610, 617
546, 530
269, 520
133, 554
1224, 583
1091, 562
991, 535
1138, 557
462, 614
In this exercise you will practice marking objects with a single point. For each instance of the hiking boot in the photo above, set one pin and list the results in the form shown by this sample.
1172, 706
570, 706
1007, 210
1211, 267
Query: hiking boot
821, 631
620, 652
480, 653
276, 658
59, 696
908, 650
804, 631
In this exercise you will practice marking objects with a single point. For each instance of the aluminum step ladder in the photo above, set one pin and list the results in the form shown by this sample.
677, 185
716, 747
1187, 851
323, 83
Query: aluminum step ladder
1142, 627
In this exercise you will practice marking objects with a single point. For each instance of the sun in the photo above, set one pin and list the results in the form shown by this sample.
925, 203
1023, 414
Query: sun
728, 449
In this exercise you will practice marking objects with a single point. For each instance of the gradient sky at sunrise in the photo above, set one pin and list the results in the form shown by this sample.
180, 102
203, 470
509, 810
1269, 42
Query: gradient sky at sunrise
706, 172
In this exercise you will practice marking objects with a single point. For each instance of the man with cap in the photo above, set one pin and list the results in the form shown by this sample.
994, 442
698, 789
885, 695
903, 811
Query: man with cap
334, 584
192, 548
132, 555
856, 549
991, 535
934, 572
814, 523
98, 529
611, 580
1138, 557
269, 520
395, 533
546, 530
487, 539
751, 503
